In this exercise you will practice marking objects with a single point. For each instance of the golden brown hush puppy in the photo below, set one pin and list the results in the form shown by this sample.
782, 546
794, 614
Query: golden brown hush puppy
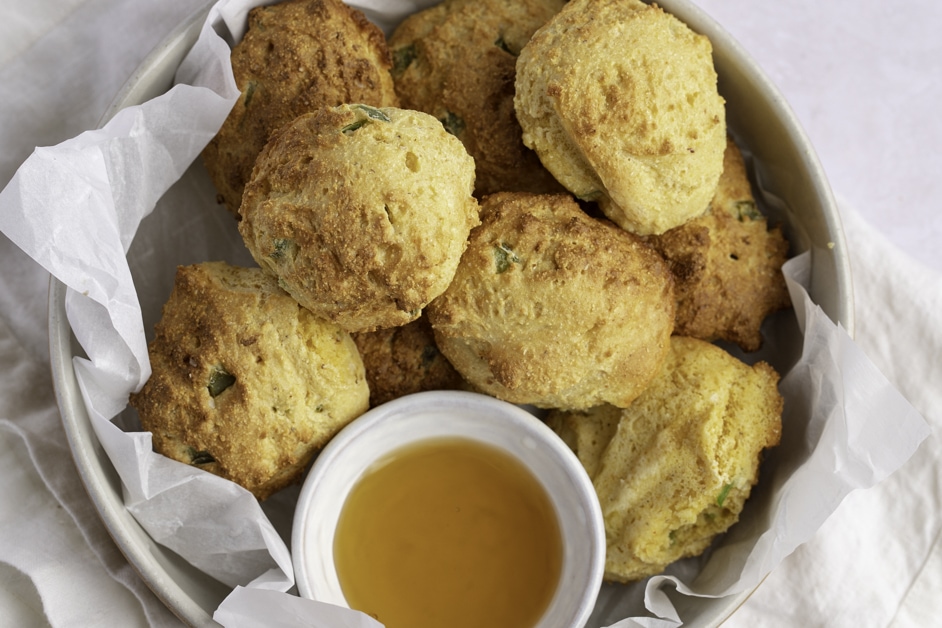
296, 56
456, 61
404, 360
246, 383
619, 100
361, 213
554, 308
674, 468
727, 264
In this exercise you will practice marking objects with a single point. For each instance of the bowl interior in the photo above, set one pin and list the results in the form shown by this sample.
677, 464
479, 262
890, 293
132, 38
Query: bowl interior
188, 592
783, 162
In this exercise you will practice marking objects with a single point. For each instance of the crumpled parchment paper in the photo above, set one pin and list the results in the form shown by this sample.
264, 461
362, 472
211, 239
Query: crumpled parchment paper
76, 209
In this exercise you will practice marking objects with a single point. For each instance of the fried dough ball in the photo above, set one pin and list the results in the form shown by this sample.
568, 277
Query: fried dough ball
727, 264
404, 360
620, 101
361, 213
296, 56
246, 384
456, 61
674, 469
553, 308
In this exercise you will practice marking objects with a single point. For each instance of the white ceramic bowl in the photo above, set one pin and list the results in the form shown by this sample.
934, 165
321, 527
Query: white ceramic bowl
762, 122
430, 415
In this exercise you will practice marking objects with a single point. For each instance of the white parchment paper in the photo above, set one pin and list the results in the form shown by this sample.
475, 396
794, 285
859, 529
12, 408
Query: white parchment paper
76, 208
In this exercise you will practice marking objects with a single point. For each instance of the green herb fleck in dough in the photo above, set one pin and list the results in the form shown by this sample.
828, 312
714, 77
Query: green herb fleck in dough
747, 210
724, 493
199, 457
372, 113
403, 58
501, 43
219, 381
250, 88
350, 128
504, 257
282, 248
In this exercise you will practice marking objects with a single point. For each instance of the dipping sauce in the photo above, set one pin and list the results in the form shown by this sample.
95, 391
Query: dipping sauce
449, 532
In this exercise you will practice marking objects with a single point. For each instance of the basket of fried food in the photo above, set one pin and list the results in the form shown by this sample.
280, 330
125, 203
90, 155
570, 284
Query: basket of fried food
533, 199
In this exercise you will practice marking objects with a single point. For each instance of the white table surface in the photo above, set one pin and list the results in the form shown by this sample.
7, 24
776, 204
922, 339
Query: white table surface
865, 80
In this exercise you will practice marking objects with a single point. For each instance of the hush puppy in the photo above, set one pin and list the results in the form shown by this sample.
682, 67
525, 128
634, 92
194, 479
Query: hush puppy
361, 213
673, 469
296, 56
620, 101
553, 308
727, 264
404, 360
456, 61
246, 383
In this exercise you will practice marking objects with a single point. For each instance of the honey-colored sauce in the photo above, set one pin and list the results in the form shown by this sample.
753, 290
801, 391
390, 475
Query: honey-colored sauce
449, 532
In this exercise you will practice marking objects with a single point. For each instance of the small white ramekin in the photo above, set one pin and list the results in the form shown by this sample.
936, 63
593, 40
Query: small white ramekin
438, 414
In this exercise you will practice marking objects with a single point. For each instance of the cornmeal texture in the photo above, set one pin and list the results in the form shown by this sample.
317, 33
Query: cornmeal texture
404, 360
620, 101
361, 213
246, 383
727, 264
554, 308
457, 61
296, 57
674, 469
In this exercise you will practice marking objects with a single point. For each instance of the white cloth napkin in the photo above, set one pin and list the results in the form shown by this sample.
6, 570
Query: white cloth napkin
57, 564
878, 560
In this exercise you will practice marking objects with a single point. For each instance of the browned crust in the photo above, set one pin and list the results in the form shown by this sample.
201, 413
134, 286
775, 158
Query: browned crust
404, 360
554, 308
295, 57
727, 264
462, 65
